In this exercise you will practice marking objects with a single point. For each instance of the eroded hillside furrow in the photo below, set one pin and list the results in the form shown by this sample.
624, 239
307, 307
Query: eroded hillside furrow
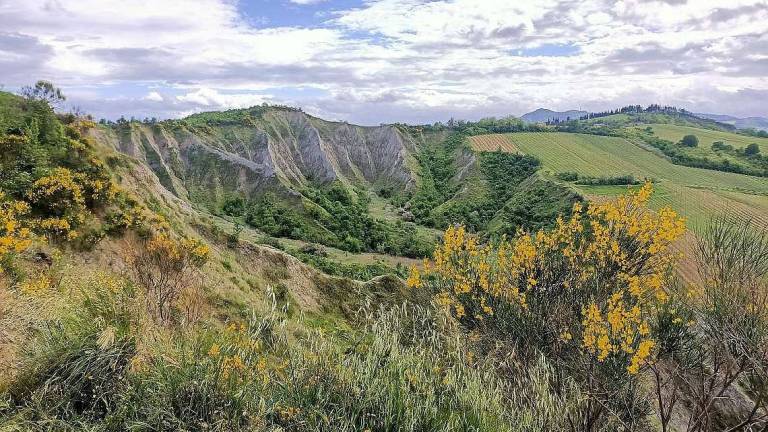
282, 151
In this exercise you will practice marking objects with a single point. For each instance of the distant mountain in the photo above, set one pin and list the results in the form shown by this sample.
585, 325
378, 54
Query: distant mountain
542, 115
740, 123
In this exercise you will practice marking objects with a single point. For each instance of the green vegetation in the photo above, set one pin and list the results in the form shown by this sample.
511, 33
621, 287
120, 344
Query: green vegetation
752, 149
547, 313
52, 171
494, 188
722, 151
334, 216
696, 193
675, 133
437, 169
501, 173
571, 176
535, 205
689, 141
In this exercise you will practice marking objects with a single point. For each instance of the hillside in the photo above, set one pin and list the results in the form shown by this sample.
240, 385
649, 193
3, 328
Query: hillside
205, 157
543, 115
262, 269
759, 123
698, 194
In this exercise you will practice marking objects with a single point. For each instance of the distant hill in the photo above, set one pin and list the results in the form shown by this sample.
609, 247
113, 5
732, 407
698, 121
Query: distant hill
543, 114
760, 123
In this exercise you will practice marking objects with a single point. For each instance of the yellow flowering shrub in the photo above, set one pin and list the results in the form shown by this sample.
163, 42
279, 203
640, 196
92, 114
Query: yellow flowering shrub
15, 236
37, 286
60, 198
166, 267
595, 280
179, 253
239, 355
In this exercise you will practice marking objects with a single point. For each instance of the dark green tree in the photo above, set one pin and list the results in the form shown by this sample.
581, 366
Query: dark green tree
690, 141
752, 149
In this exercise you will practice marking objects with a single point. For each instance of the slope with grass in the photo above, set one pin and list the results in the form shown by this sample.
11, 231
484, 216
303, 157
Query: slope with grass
696, 193
706, 137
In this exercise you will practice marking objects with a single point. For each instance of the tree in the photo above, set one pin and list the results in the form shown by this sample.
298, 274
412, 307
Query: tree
752, 149
44, 91
690, 141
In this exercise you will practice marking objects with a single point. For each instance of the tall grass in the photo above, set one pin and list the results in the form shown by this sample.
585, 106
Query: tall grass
407, 370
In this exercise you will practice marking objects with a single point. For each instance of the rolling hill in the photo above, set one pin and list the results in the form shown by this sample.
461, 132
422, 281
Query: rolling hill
542, 115
696, 193
675, 133
759, 123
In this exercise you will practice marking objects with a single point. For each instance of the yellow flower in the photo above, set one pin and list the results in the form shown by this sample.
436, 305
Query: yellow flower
214, 351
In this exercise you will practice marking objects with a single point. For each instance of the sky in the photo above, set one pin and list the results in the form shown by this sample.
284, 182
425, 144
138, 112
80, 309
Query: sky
384, 61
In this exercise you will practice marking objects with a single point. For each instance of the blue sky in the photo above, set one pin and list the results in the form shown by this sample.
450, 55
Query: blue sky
380, 61
284, 13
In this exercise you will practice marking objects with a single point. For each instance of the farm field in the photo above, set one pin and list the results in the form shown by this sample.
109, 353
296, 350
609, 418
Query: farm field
493, 142
706, 137
695, 193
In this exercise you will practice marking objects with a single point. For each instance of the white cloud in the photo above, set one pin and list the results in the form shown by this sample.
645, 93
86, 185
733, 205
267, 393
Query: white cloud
212, 98
153, 96
406, 58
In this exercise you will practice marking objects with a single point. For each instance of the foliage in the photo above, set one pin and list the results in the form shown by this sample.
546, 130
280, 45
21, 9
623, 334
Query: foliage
409, 372
274, 218
44, 91
502, 173
165, 268
752, 165
571, 176
53, 169
689, 141
15, 237
719, 145
721, 346
73, 371
535, 205
336, 216
567, 176
752, 149
590, 289
608, 180
362, 272
437, 164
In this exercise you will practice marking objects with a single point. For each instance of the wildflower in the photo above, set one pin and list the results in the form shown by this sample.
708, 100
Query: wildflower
619, 238
414, 281
214, 351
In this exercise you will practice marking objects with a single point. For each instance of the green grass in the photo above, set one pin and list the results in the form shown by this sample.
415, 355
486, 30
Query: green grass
696, 193
706, 137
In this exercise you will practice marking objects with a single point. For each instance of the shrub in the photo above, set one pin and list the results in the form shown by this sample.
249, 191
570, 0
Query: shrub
165, 268
689, 141
608, 180
752, 149
719, 145
408, 377
587, 291
717, 347
567, 176
15, 235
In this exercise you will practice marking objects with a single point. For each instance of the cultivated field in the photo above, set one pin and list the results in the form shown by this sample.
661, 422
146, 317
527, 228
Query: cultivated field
706, 137
697, 194
493, 142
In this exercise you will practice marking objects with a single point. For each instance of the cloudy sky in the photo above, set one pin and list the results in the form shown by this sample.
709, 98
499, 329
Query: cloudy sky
378, 61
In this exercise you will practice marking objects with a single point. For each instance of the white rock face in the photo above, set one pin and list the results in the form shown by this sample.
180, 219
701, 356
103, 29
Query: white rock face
281, 151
